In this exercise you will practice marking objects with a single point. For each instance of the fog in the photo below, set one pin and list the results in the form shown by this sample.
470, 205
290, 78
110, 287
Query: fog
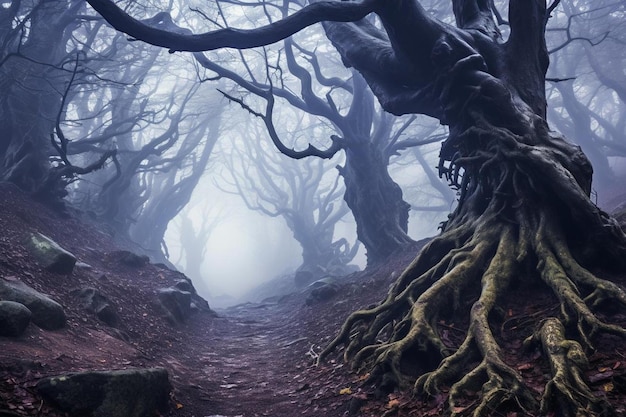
242, 167
243, 250
246, 249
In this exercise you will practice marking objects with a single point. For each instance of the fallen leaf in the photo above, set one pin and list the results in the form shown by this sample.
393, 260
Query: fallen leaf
179, 406
345, 391
393, 403
608, 387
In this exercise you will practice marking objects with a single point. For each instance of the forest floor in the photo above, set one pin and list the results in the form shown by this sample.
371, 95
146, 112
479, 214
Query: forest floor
255, 359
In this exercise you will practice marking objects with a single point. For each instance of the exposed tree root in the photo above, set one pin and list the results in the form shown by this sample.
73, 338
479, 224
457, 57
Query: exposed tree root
567, 389
399, 340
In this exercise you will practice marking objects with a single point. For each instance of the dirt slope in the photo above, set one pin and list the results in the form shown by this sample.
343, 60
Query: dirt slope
251, 360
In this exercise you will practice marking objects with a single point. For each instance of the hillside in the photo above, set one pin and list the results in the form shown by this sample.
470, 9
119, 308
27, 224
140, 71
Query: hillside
249, 360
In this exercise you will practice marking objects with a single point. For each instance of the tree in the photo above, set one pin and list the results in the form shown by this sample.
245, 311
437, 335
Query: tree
524, 210
40, 54
171, 182
368, 136
586, 104
299, 192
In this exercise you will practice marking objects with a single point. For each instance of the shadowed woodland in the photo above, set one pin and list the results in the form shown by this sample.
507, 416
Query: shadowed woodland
502, 122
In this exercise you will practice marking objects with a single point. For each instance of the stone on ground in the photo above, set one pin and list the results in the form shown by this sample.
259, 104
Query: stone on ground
14, 318
95, 302
50, 255
176, 304
126, 393
46, 313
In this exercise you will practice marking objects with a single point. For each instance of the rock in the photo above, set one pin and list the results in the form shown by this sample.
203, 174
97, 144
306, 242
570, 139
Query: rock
50, 255
126, 393
14, 318
197, 302
83, 266
175, 303
130, 259
185, 285
96, 303
322, 290
181, 300
46, 313
306, 275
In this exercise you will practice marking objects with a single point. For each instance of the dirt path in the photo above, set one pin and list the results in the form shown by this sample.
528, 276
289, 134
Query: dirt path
250, 361
248, 366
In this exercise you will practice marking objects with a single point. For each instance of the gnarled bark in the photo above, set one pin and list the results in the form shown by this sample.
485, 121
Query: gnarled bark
376, 202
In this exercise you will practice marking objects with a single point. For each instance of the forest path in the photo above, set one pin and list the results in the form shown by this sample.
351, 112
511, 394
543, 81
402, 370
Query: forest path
247, 362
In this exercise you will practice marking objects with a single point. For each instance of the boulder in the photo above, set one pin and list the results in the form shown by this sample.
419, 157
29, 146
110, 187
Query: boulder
130, 259
175, 303
14, 318
50, 255
46, 313
181, 300
322, 290
197, 302
96, 303
125, 393
307, 274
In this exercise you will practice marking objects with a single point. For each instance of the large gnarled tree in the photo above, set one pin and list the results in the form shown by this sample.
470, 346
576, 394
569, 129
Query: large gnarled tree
524, 209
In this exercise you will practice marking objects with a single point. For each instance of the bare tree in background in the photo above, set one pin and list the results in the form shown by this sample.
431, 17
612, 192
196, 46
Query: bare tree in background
170, 183
300, 193
194, 235
41, 60
368, 136
588, 86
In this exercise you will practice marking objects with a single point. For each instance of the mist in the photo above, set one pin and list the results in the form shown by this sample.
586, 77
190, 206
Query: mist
243, 167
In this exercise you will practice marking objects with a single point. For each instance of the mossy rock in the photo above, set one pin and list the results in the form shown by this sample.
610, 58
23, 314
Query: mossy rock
50, 255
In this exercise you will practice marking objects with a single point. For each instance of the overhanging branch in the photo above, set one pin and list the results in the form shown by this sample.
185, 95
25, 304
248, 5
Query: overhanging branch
267, 118
230, 37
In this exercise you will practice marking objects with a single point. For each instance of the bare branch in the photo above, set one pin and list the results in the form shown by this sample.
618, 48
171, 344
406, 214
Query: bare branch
311, 150
229, 37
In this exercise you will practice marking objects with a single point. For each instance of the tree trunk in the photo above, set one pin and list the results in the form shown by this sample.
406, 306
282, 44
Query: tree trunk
30, 101
376, 202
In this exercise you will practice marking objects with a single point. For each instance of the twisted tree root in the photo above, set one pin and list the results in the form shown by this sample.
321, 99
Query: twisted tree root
567, 388
404, 327
499, 382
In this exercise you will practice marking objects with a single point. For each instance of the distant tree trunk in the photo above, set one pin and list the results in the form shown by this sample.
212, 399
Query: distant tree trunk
170, 192
580, 130
31, 83
376, 202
